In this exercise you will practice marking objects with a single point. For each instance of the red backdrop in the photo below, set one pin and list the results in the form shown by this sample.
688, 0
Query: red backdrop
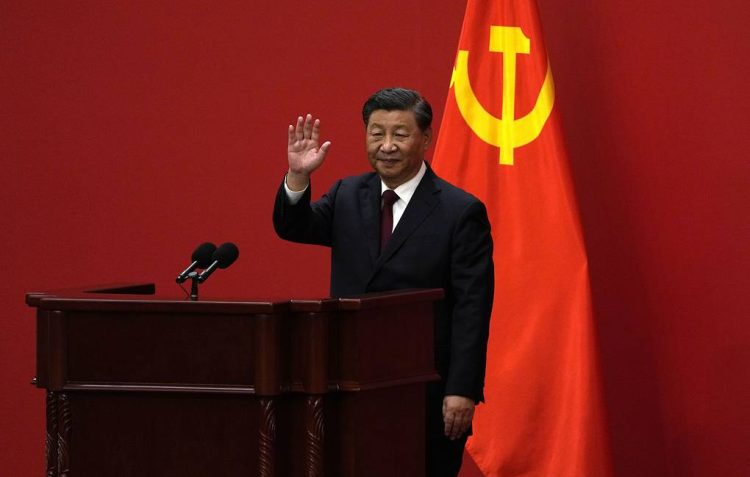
129, 133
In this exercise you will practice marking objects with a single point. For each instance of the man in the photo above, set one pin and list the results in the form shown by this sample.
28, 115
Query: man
435, 236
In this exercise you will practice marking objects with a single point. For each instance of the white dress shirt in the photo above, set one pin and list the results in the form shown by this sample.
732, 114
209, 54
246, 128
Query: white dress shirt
404, 192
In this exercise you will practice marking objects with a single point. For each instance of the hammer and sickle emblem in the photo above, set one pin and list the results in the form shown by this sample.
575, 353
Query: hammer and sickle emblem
507, 132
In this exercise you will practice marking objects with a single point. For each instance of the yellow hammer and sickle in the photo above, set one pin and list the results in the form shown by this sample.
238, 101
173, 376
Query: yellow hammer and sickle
507, 133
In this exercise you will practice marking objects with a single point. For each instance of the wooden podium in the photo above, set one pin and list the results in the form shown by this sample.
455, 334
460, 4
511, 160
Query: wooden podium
139, 385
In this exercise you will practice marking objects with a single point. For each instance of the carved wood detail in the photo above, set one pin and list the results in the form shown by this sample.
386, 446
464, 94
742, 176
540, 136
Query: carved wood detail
50, 441
315, 430
267, 438
64, 428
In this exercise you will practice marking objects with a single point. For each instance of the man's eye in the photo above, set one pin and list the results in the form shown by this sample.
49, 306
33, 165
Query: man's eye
376, 134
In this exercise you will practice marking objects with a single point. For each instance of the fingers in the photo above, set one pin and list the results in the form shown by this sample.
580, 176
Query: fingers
324, 148
299, 131
315, 134
456, 425
457, 415
291, 137
303, 152
449, 421
306, 128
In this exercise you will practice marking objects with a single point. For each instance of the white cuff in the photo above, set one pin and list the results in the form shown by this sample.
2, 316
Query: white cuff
294, 196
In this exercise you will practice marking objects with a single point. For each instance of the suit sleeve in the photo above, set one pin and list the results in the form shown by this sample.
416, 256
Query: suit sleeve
472, 289
305, 222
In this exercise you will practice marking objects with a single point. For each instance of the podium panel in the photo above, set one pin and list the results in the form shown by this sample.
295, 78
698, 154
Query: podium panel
148, 386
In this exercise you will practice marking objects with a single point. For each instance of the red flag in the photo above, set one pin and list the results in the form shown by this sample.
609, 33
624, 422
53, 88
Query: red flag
501, 140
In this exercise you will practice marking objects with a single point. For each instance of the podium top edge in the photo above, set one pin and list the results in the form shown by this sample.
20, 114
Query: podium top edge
389, 298
143, 297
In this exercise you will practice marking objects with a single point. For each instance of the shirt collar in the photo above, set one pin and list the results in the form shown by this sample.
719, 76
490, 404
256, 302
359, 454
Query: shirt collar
406, 190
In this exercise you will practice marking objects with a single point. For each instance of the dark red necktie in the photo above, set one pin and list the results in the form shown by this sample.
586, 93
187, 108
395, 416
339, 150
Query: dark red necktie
386, 217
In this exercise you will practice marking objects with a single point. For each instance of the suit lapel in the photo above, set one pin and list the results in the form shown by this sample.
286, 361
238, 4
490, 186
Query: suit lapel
423, 201
369, 204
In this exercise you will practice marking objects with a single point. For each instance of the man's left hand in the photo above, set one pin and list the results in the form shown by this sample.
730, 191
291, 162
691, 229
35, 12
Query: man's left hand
457, 414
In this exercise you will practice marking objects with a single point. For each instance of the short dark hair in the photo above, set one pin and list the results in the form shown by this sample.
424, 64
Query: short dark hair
399, 99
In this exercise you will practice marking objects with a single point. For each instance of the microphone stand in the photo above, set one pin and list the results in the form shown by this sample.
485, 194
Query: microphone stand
194, 278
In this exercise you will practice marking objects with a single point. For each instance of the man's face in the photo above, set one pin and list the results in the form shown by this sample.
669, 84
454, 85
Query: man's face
396, 145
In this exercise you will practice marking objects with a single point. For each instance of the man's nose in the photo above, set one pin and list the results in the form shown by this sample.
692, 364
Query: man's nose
388, 144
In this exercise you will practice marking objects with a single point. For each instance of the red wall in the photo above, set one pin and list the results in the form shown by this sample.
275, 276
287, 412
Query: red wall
129, 133
655, 106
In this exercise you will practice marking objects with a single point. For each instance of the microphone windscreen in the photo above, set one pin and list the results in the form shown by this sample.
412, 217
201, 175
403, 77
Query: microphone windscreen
226, 254
204, 254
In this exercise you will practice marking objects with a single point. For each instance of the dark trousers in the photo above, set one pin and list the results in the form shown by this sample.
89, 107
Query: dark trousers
443, 455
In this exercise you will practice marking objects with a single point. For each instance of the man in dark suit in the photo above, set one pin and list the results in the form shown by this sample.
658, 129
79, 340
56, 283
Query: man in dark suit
440, 239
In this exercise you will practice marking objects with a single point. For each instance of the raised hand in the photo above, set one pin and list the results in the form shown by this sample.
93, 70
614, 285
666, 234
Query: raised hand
303, 152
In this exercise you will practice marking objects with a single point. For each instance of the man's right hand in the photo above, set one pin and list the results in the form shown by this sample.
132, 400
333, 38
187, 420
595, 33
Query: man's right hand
303, 152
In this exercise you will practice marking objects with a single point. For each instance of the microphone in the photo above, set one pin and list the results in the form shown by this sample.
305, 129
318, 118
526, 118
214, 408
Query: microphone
223, 257
201, 259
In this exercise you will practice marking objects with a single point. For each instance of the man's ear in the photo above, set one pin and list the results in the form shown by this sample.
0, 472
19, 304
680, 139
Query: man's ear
427, 135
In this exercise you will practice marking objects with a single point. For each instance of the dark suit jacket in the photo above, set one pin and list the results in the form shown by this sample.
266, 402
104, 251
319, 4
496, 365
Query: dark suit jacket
442, 241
